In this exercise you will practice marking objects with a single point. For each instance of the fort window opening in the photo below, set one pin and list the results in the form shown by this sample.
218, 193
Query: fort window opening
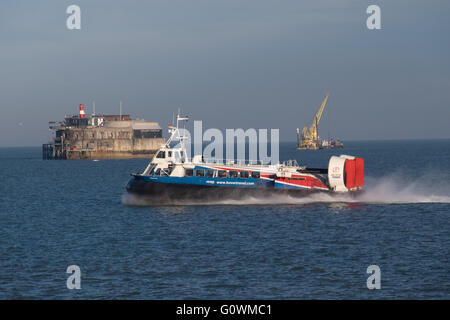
147, 133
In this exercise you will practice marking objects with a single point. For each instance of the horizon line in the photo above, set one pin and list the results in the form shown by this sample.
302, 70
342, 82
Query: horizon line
291, 141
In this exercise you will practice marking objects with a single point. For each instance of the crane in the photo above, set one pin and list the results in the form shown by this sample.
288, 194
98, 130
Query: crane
310, 135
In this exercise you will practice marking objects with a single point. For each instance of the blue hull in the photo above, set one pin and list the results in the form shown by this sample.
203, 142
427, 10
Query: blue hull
165, 191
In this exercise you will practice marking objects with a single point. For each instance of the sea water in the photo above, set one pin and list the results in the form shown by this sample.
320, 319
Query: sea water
54, 214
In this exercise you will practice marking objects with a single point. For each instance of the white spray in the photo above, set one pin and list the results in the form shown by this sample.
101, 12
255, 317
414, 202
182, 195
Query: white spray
393, 189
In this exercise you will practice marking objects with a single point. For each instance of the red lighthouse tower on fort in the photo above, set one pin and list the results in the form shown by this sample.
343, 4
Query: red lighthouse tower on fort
82, 114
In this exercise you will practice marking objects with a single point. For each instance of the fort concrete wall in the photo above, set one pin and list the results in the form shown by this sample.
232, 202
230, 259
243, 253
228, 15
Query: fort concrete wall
117, 140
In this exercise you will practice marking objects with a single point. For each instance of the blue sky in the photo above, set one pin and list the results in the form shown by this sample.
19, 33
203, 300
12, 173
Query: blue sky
232, 64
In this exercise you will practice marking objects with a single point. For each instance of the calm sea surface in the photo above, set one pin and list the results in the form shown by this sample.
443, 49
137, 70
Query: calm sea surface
59, 213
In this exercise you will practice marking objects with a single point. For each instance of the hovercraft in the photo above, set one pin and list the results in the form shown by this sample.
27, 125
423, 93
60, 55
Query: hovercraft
172, 175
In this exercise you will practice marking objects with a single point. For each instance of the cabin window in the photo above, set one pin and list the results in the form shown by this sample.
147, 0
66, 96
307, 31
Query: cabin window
158, 172
244, 174
188, 172
298, 178
166, 171
169, 154
161, 155
233, 174
210, 173
152, 169
222, 173
199, 173
256, 174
